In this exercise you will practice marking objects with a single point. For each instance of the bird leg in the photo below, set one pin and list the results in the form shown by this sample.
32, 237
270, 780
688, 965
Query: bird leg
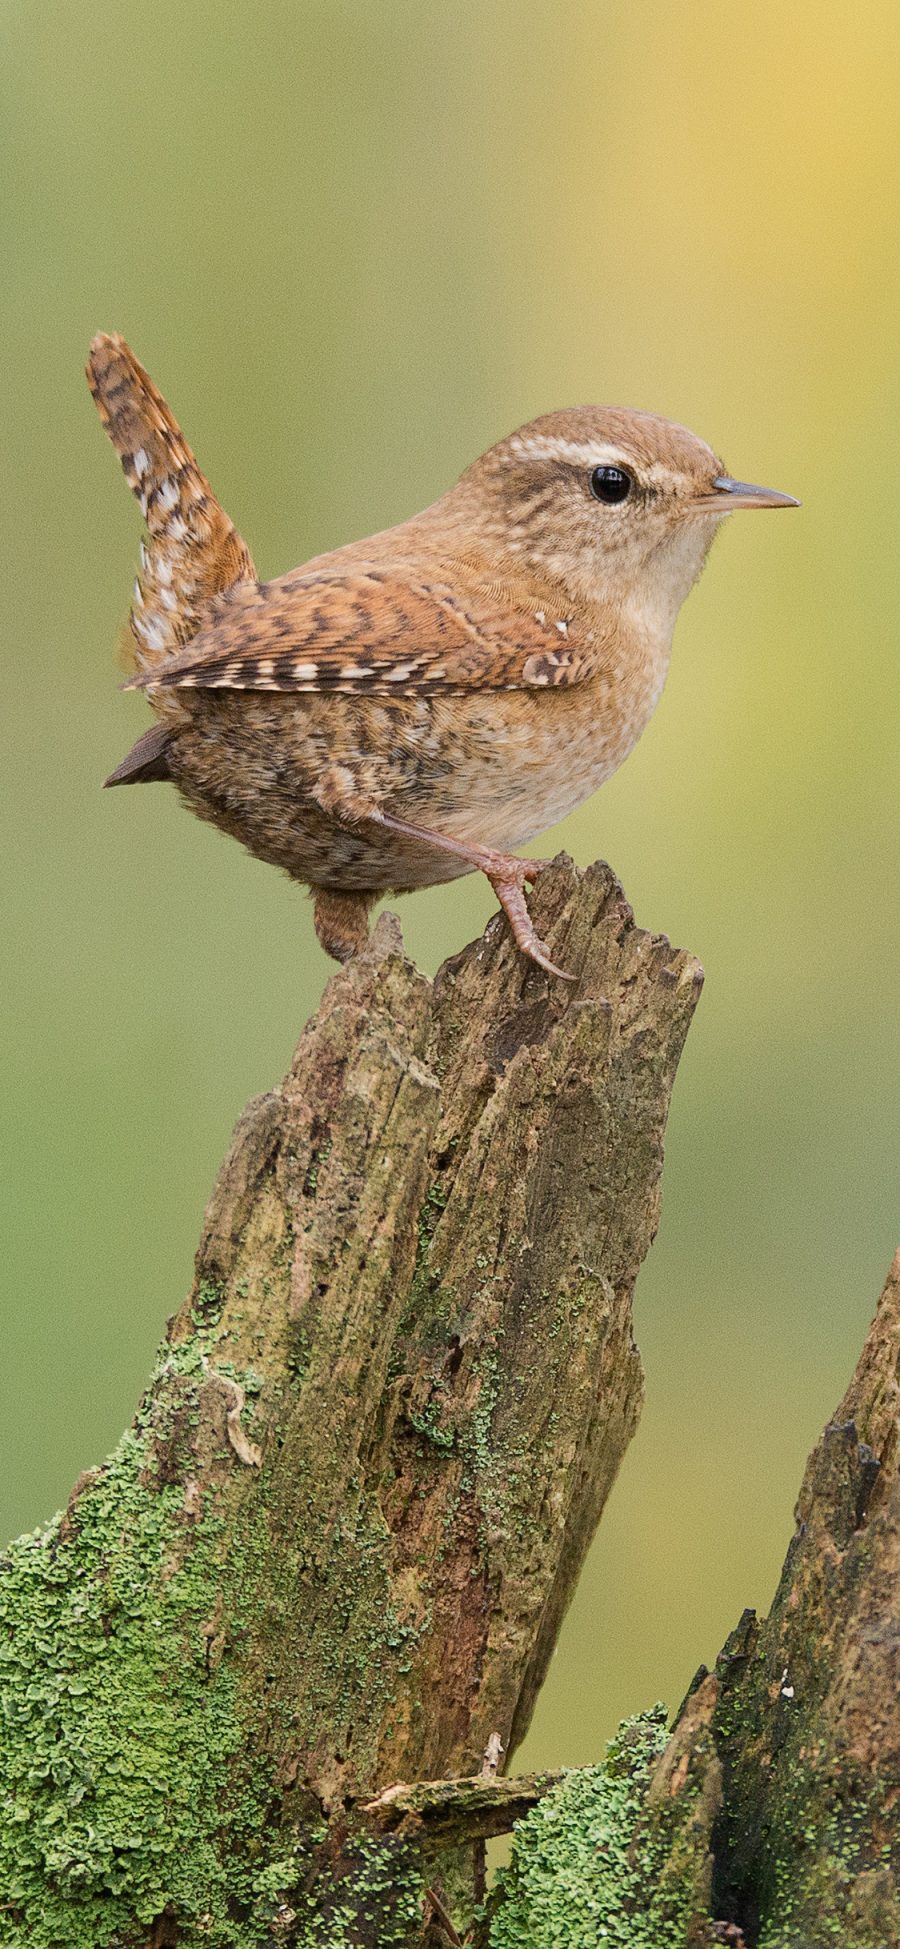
507, 875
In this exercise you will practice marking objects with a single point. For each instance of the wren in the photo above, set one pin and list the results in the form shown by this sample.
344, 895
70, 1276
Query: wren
418, 705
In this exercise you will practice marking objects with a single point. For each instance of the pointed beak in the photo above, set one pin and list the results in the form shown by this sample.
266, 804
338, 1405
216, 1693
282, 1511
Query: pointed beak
729, 494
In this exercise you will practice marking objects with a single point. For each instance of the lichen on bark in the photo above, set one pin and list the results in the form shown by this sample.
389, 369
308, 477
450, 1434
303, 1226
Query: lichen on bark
770, 1818
336, 1546
808, 1716
582, 1871
332, 1553
116, 1741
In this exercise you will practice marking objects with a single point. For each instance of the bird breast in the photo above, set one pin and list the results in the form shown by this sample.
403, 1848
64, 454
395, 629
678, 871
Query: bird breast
523, 762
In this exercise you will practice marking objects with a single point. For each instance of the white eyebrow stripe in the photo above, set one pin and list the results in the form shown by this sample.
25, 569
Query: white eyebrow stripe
543, 447
587, 453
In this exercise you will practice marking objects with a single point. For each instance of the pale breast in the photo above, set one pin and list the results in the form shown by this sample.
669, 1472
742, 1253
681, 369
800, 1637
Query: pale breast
520, 762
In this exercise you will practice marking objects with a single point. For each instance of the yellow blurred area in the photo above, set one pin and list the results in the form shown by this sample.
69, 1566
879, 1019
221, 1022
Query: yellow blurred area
355, 244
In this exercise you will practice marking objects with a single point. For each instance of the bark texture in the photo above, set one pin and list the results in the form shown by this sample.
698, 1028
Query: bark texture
807, 1717
335, 1548
771, 1817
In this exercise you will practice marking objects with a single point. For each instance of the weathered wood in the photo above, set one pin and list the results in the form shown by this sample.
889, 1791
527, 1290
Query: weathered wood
807, 1719
770, 1819
437, 1814
335, 1548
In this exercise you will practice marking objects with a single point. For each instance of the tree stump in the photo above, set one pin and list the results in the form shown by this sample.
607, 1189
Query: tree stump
334, 1549
260, 1682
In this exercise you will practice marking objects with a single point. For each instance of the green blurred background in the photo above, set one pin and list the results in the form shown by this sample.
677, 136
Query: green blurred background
355, 244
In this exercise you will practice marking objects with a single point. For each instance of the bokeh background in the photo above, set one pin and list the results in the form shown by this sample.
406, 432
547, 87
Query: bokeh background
355, 244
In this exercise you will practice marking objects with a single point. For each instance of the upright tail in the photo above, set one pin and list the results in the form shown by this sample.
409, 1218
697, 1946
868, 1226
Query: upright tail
193, 550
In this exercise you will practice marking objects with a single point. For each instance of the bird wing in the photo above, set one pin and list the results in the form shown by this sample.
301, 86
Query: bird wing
373, 631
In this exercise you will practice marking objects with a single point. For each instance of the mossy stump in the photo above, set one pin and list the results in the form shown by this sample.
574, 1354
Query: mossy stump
770, 1818
334, 1549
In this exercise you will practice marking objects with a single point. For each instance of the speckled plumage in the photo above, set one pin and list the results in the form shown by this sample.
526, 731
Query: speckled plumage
413, 706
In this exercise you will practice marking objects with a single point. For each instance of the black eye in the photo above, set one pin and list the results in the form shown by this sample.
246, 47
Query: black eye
610, 484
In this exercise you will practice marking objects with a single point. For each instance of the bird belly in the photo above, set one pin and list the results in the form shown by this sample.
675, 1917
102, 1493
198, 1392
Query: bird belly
487, 768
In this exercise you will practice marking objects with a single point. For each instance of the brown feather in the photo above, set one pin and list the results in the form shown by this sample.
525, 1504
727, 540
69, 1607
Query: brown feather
363, 630
194, 549
147, 760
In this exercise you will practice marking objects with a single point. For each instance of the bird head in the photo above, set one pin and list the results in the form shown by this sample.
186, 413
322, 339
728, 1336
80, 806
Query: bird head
614, 505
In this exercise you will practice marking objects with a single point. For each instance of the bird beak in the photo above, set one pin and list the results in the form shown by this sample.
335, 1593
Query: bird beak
729, 494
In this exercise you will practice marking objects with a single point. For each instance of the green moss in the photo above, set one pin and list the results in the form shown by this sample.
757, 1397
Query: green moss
125, 1785
816, 1846
376, 1897
803, 1822
428, 1298
580, 1874
429, 1425
319, 1157
129, 1785
297, 1351
209, 1299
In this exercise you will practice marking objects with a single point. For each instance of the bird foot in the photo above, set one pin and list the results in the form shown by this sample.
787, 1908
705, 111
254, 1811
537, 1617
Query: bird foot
507, 874
509, 879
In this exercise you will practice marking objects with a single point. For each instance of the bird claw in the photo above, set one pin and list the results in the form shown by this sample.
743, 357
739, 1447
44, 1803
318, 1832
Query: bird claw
533, 868
509, 888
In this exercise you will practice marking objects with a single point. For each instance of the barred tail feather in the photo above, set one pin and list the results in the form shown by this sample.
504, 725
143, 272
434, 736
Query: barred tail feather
193, 551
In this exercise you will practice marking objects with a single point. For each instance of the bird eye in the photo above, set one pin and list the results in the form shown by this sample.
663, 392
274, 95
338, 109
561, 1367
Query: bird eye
610, 484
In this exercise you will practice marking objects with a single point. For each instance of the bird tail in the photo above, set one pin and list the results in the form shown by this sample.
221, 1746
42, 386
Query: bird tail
193, 550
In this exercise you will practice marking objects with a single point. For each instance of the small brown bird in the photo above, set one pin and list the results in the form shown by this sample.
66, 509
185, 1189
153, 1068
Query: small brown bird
418, 705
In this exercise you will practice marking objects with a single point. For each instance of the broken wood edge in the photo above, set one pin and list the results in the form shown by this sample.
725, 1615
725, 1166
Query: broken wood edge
447, 1813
